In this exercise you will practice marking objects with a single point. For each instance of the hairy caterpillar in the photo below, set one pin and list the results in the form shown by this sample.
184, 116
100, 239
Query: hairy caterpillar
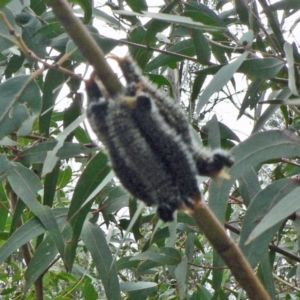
149, 142
208, 163
139, 169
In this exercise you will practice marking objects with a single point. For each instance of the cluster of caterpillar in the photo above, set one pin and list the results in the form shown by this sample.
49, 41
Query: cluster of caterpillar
149, 142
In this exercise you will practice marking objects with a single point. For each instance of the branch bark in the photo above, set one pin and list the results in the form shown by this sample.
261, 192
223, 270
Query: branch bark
229, 251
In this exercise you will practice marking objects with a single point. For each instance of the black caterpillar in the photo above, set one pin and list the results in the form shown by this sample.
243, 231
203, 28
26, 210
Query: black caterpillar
149, 142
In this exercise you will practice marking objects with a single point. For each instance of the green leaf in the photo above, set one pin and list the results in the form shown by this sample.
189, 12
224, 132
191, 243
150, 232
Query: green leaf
64, 177
287, 206
26, 233
54, 80
86, 7
201, 293
242, 11
265, 274
20, 105
116, 197
37, 154
145, 266
88, 291
288, 49
259, 207
52, 158
50, 30
45, 254
213, 133
155, 26
219, 80
185, 47
202, 47
138, 290
257, 149
125, 262
252, 96
249, 185
160, 81
30, 25
4, 2
217, 272
92, 180
284, 94
14, 65
26, 185
50, 184
197, 85
176, 19
6, 39
101, 15
5, 165
181, 272
227, 133
39, 7
137, 5
199, 11
164, 256
158, 237
219, 53
262, 68
95, 241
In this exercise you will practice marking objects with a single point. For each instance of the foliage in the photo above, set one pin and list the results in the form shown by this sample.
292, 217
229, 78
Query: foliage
64, 216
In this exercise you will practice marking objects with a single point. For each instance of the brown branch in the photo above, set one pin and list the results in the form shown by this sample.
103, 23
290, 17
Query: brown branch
228, 251
86, 44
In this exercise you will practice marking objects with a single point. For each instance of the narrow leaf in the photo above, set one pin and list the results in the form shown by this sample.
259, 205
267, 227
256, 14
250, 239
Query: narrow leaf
185, 47
46, 251
201, 45
52, 158
165, 256
138, 290
24, 234
94, 239
260, 205
255, 150
287, 206
26, 185
219, 80
27, 232
178, 20
20, 105
213, 133
6, 39
94, 177
288, 49
261, 68
268, 113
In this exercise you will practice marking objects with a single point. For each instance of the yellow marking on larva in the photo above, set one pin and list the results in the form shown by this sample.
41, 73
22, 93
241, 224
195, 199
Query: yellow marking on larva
130, 101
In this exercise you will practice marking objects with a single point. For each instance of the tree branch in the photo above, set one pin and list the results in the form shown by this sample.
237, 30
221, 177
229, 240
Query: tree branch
229, 251
86, 44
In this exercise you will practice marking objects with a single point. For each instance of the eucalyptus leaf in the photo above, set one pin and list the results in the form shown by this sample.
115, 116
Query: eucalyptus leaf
94, 239
219, 80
